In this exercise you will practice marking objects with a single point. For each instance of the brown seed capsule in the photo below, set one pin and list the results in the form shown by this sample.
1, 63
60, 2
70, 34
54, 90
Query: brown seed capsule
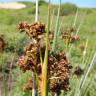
72, 29
36, 29
82, 48
23, 26
74, 38
68, 36
78, 71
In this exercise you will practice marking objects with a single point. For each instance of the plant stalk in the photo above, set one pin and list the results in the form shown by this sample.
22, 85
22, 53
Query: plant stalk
44, 82
56, 29
37, 11
33, 74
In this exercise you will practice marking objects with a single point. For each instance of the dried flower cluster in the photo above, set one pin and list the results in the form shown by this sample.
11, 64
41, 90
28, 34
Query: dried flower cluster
59, 72
31, 57
29, 60
58, 64
2, 43
33, 30
69, 37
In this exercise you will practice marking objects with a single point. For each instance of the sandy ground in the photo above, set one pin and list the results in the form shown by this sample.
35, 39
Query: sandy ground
14, 5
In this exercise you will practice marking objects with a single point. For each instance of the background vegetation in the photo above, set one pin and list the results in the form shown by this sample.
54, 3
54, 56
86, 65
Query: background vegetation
9, 20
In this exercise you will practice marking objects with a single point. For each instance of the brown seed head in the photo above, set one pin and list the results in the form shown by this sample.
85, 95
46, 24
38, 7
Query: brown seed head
78, 71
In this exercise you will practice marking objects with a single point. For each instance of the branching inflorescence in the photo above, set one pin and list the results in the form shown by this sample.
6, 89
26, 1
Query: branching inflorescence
59, 67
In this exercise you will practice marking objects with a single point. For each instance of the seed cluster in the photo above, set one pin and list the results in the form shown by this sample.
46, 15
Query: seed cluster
58, 65
68, 36
33, 30
59, 72
29, 60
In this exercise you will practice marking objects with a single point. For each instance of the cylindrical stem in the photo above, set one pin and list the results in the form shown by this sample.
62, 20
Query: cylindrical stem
37, 10
56, 29
44, 79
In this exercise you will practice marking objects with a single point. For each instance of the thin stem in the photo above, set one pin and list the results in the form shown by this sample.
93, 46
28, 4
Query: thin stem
33, 74
37, 11
74, 24
56, 29
84, 78
84, 52
81, 23
52, 18
89, 68
10, 74
4, 79
34, 84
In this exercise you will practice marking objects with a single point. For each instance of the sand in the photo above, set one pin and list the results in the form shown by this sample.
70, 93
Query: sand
12, 5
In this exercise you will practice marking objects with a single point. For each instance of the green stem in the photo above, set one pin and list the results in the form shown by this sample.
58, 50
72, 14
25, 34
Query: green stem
45, 64
56, 29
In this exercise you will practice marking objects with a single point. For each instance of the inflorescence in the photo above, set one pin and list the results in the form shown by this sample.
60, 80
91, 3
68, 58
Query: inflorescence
59, 67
